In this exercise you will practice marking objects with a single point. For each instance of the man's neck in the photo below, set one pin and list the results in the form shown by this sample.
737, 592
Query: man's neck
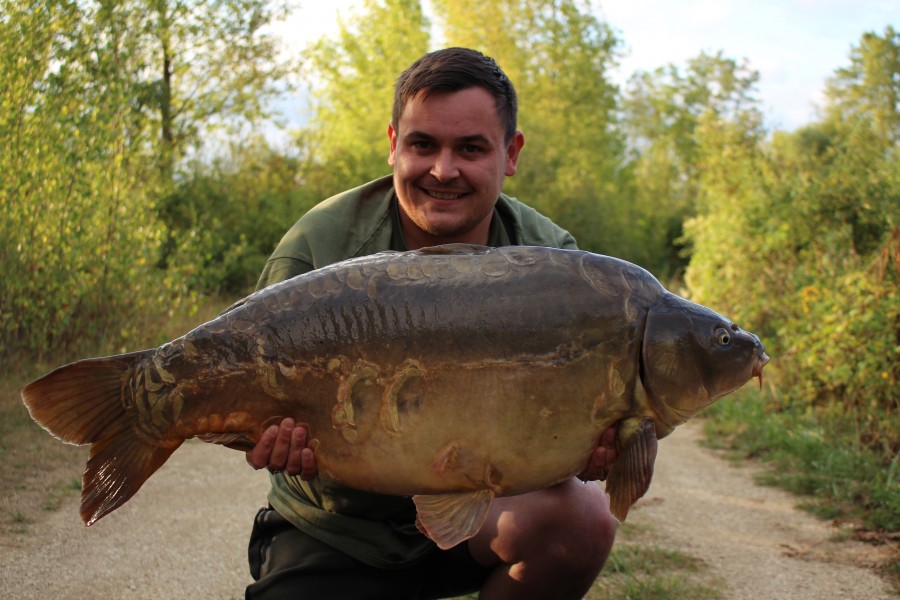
415, 238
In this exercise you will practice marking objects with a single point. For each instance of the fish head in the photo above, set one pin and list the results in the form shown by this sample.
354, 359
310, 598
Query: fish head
691, 356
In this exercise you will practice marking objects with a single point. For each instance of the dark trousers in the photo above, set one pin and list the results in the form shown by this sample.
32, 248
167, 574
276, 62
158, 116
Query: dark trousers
287, 563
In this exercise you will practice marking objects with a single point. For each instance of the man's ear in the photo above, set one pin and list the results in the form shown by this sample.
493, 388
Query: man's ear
512, 152
392, 136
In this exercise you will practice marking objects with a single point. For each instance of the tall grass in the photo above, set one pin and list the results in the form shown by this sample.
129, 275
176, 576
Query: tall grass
815, 456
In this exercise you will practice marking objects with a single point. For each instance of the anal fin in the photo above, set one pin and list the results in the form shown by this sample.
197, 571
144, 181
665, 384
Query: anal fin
241, 440
235, 440
630, 476
450, 519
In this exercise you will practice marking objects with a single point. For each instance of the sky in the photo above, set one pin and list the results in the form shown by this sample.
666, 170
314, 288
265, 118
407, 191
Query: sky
794, 44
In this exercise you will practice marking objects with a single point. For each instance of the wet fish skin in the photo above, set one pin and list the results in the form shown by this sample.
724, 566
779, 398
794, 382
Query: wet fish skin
384, 357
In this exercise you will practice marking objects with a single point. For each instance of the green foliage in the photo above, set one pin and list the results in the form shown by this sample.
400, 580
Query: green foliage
91, 123
75, 192
725, 268
225, 216
665, 111
558, 55
798, 240
202, 66
352, 79
844, 350
869, 89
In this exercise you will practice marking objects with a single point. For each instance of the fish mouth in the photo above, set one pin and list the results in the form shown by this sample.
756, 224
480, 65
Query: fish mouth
761, 361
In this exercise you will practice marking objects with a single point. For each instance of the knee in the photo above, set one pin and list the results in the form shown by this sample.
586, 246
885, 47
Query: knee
591, 528
603, 533
583, 529
567, 527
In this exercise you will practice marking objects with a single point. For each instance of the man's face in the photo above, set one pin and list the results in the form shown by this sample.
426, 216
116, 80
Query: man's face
450, 159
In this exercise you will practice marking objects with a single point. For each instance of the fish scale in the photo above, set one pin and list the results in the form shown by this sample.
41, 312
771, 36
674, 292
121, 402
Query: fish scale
452, 374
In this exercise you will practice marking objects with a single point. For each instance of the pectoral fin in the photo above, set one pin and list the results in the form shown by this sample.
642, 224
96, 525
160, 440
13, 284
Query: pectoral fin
450, 519
630, 476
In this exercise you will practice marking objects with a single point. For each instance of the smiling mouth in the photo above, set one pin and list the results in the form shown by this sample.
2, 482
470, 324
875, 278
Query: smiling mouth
443, 195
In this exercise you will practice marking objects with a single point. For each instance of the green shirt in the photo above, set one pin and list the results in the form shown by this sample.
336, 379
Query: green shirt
375, 529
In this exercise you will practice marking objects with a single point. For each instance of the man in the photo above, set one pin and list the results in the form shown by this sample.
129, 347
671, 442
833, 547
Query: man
453, 140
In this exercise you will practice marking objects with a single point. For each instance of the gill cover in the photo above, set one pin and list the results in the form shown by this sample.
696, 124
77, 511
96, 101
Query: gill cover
691, 356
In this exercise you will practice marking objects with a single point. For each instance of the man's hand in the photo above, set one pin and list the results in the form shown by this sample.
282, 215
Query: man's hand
602, 458
283, 448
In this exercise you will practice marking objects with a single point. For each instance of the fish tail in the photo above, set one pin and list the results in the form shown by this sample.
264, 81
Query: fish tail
84, 403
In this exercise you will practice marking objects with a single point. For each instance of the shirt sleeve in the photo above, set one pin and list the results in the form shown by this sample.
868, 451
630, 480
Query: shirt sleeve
281, 268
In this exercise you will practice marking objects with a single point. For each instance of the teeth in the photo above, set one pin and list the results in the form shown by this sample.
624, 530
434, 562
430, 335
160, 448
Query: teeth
441, 196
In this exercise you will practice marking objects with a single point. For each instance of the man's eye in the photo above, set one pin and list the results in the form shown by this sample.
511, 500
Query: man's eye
421, 145
471, 149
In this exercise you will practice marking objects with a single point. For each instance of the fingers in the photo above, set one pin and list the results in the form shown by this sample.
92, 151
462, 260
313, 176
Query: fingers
278, 458
301, 459
283, 447
259, 456
602, 458
297, 443
310, 470
596, 468
608, 440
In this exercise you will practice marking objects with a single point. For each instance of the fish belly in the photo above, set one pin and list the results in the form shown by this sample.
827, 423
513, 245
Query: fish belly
506, 427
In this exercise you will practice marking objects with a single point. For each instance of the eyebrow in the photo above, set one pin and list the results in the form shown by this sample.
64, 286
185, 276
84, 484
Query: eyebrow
466, 139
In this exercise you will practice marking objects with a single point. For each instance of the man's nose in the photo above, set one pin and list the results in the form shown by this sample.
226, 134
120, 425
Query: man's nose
445, 167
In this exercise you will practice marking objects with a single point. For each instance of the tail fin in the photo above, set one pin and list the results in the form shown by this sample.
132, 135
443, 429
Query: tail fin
83, 403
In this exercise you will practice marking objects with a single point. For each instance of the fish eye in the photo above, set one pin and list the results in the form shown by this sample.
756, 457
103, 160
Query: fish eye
723, 337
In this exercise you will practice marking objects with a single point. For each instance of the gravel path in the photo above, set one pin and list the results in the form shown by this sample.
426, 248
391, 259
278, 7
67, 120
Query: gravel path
751, 537
184, 534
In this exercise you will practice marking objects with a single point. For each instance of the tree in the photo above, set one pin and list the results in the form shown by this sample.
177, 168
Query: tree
663, 111
557, 54
98, 102
76, 195
868, 91
352, 80
798, 238
202, 65
229, 212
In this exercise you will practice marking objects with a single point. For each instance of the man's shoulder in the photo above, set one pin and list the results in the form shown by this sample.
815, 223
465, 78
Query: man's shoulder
532, 228
341, 226
356, 205
352, 223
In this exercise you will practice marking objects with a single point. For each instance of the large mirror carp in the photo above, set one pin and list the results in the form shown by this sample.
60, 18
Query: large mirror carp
451, 374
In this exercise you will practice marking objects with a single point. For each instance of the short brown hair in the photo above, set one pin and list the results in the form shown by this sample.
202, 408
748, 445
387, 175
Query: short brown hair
452, 70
